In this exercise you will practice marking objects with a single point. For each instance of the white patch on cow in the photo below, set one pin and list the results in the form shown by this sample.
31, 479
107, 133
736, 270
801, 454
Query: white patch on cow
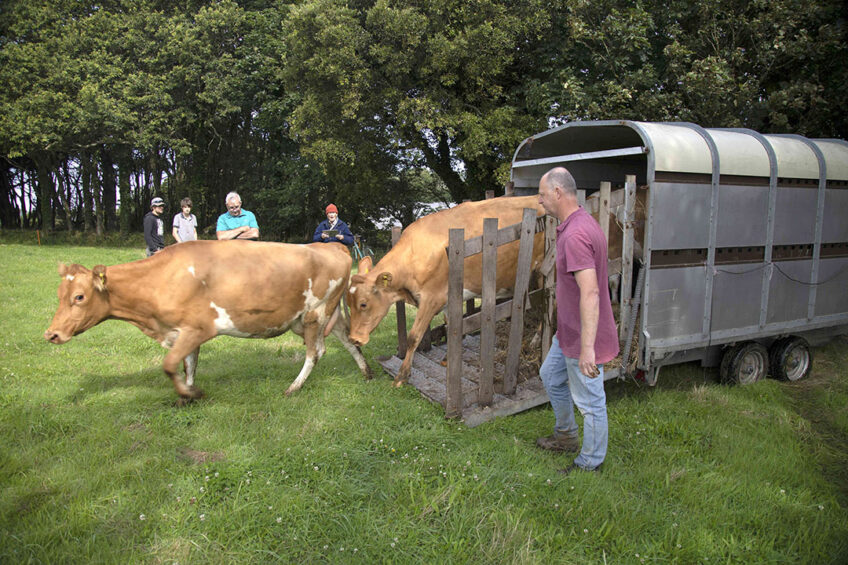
191, 270
353, 290
69, 277
468, 295
319, 304
224, 324
170, 339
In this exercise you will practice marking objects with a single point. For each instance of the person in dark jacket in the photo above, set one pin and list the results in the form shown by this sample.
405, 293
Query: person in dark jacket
333, 229
154, 227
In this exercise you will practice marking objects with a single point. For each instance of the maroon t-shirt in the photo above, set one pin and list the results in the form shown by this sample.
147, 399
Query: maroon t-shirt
581, 245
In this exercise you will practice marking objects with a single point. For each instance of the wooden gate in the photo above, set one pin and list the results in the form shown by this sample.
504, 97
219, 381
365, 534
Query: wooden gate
460, 374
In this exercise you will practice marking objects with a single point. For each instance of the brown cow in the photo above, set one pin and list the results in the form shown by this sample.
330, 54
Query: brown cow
416, 269
189, 293
616, 232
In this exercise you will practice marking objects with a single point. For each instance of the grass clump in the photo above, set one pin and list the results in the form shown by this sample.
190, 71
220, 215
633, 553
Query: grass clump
99, 465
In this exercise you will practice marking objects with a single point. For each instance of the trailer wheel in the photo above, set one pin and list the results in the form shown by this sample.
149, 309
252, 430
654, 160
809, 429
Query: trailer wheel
791, 358
745, 363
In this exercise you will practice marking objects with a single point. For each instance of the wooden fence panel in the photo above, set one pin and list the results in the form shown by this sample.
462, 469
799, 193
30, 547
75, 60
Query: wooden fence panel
400, 307
522, 283
487, 312
456, 265
627, 255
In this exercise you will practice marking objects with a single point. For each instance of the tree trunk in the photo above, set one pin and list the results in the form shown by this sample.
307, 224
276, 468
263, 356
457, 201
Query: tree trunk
62, 176
86, 172
124, 172
108, 201
46, 193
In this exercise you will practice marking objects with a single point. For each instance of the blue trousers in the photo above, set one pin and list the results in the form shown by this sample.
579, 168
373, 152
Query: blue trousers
567, 386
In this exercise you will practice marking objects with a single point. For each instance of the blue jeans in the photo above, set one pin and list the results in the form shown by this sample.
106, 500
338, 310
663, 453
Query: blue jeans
567, 386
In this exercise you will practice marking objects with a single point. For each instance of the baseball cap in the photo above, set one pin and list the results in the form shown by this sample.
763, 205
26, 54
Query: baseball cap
157, 202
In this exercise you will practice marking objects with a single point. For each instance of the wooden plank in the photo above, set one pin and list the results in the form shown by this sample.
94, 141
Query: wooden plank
522, 282
528, 394
627, 255
487, 312
549, 286
400, 306
506, 235
604, 208
456, 268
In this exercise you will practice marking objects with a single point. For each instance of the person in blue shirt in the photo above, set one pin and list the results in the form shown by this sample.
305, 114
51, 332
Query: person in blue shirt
333, 223
236, 223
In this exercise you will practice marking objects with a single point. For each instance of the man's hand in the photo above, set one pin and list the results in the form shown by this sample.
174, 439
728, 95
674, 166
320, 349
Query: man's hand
339, 237
587, 363
324, 235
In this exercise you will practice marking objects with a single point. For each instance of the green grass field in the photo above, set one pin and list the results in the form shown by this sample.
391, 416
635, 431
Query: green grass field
98, 465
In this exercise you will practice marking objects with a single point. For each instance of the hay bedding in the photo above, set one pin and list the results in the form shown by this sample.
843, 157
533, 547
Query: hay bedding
530, 358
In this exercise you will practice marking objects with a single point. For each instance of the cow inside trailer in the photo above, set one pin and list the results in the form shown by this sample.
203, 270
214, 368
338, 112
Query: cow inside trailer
745, 249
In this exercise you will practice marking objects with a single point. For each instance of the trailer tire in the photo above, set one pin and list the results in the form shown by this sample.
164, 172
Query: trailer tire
726, 358
745, 364
790, 358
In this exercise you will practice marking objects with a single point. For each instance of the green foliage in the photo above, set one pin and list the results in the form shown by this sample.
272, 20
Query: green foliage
98, 465
297, 104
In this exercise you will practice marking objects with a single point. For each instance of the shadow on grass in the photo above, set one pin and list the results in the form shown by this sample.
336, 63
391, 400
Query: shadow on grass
219, 367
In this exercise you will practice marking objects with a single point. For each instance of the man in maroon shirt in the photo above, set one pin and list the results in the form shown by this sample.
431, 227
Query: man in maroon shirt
586, 337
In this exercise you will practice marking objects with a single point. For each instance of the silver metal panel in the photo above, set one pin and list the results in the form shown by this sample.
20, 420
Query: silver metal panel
832, 297
835, 153
676, 297
679, 147
742, 215
740, 154
795, 159
736, 296
795, 216
681, 216
835, 229
788, 297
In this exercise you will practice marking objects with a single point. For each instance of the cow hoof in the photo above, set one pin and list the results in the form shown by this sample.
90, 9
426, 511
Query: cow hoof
398, 384
183, 401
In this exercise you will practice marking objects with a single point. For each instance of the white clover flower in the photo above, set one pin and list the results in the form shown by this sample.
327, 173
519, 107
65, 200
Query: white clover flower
142, 517
202, 517
280, 521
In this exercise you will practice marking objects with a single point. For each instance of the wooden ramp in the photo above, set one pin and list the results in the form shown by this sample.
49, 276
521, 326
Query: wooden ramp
428, 375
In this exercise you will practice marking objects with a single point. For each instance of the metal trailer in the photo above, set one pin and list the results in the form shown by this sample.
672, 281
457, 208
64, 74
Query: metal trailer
745, 251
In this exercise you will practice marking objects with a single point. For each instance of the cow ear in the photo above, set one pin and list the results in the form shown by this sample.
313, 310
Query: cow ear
365, 265
99, 275
384, 280
63, 269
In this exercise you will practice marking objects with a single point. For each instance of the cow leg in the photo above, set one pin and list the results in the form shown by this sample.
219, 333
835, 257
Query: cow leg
614, 287
190, 363
187, 345
426, 311
340, 330
313, 337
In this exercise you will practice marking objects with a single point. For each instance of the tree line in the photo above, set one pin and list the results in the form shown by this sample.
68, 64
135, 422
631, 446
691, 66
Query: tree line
375, 105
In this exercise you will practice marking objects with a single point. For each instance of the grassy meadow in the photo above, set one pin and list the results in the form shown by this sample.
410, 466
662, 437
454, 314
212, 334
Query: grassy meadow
98, 465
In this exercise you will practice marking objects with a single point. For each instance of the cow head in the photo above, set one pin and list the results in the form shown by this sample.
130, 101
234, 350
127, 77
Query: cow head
83, 302
369, 297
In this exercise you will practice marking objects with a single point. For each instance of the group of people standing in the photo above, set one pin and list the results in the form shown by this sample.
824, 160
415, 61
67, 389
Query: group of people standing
235, 223
586, 337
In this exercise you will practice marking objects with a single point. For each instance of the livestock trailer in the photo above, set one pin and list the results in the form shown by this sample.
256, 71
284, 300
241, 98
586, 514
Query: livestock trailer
745, 250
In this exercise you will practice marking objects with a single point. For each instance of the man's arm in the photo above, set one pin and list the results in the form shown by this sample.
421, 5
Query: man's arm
587, 282
176, 233
243, 232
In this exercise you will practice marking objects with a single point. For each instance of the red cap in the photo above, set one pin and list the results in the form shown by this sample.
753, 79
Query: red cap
332, 208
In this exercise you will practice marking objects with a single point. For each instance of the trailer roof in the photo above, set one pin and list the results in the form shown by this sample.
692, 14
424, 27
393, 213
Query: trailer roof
680, 147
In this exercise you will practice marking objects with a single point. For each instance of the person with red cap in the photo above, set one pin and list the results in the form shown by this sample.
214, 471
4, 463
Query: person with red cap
333, 229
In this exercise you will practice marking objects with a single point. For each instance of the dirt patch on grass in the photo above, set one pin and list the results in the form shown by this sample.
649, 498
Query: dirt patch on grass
200, 457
